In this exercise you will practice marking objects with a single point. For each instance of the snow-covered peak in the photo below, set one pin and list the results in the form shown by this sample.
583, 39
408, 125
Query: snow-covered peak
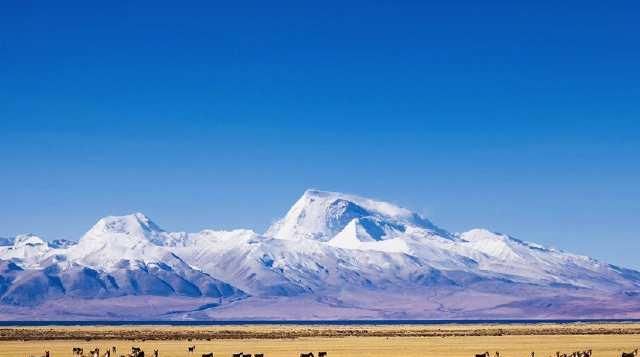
489, 242
356, 236
320, 215
381, 207
29, 239
112, 239
477, 234
131, 227
29, 249
508, 255
495, 245
131, 224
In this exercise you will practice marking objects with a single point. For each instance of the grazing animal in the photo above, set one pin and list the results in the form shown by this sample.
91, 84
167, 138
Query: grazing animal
155, 353
630, 354
95, 352
258, 355
486, 354
210, 354
246, 355
191, 349
310, 354
239, 354
113, 349
136, 352
322, 354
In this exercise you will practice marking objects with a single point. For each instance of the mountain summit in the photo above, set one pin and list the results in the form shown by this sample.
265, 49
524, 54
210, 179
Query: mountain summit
320, 215
134, 226
333, 256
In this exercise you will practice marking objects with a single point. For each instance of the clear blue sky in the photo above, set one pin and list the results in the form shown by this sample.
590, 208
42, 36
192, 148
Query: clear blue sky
522, 118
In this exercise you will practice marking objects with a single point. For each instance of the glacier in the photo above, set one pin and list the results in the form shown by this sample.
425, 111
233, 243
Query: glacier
332, 256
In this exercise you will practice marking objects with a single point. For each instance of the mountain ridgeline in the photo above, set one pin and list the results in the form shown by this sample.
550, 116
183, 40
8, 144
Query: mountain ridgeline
333, 256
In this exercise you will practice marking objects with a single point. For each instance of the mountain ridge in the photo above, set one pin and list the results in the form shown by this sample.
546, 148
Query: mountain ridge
338, 255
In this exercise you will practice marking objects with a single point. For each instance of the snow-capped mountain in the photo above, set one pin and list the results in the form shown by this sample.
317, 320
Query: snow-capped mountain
332, 256
119, 256
28, 249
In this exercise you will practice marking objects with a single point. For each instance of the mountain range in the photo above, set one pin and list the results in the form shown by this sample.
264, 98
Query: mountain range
332, 256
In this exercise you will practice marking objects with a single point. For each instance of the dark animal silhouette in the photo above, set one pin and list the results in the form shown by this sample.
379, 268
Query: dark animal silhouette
634, 353
210, 354
322, 354
486, 354
310, 354
191, 349
136, 352
258, 355
586, 353
239, 354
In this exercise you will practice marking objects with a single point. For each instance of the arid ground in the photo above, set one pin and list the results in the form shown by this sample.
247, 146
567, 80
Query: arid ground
606, 340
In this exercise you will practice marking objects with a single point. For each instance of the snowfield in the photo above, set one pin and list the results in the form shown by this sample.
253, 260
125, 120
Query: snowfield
333, 256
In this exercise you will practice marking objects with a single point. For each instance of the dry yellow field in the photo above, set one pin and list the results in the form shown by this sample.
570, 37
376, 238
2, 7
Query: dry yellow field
606, 340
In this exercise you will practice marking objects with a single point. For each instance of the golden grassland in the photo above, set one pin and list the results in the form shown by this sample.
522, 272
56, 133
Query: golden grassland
606, 340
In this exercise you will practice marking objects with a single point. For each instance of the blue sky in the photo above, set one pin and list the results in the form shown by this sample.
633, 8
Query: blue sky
522, 118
